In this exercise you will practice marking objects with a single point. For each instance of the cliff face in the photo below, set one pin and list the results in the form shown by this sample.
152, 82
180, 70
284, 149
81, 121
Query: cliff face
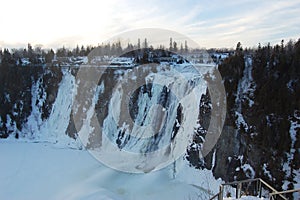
18, 86
260, 137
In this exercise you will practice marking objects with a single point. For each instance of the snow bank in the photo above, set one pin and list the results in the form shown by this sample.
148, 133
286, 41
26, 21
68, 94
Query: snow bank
44, 171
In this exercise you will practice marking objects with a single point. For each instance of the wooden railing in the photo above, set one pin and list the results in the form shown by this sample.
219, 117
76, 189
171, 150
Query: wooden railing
260, 185
274, 194
215, 196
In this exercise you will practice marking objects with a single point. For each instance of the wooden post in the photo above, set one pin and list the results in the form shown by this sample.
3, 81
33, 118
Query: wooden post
238, 190
220, 197
259, 188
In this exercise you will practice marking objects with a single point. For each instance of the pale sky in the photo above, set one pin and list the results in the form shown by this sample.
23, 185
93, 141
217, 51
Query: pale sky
210, 23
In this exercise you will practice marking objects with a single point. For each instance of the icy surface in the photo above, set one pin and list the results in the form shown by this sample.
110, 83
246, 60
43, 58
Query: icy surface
241, 121
172, 89
54, 128
246, 85
45, 171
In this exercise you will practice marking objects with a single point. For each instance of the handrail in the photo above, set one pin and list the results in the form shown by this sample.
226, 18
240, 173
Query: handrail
242, 181
285, 192
273, 193
266, 184
216, 195
253, 180
274, 190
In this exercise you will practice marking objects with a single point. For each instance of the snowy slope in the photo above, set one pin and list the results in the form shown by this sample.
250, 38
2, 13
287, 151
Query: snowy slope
45, 171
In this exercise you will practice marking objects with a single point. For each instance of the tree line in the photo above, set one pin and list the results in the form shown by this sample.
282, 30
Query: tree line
38, 55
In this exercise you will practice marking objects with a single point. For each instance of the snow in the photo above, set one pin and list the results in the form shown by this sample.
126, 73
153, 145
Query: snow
221, 56
267, 172
61, 110
248, 170
241, 121
10, 124
245, 92
294, 130
45, 171
124, 61
246, 85
182, 92
297, 179
291, 84
34, 121
25, 61
52, 129
213, 162
86, 127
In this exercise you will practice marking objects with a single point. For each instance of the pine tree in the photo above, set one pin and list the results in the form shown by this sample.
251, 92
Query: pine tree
62, 52
49, 56
82, 51
139, 43
181, 48
118, 48
171, 45
145, 43
1, 55
175, 49
88, 50
7, 57
31, 55
77, 51
186, 48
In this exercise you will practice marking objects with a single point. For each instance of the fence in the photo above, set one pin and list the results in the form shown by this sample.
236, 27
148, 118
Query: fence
251, 187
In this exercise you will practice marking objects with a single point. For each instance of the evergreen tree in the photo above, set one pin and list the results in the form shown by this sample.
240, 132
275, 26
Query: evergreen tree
1, 55
175, 49
62, 52
139, 43
113, 49
107, 49
31, 54
171, 45
186, 48
82, 51
7, 57
77, 51
129, 47
118, 48
239, 47
181, 48
145, 43
49, 56
145, 57
88, 50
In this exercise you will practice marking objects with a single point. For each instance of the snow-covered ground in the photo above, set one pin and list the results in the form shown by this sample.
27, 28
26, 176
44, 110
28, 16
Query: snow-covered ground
48, 171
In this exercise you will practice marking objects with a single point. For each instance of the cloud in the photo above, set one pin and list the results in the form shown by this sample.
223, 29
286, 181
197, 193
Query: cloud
270, 21
211, 23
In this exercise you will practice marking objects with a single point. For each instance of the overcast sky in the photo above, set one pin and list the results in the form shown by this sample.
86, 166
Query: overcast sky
210, 23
